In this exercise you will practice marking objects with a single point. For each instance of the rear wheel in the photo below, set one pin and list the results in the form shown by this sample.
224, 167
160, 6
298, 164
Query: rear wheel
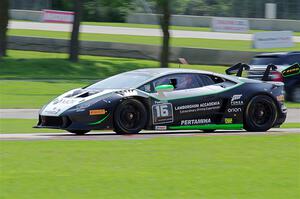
260, 114
79, 132
130, 117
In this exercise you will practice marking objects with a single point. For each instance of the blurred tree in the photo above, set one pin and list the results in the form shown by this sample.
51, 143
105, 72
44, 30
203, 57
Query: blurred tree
74, 42
163, 8
99, 10
4, 4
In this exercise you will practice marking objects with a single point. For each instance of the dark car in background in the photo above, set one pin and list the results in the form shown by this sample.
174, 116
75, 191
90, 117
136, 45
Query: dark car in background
282, 60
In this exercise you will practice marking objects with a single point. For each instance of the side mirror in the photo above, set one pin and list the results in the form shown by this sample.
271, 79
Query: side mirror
164, 88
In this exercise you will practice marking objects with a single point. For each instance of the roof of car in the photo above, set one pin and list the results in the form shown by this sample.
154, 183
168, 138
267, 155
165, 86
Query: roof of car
166, 71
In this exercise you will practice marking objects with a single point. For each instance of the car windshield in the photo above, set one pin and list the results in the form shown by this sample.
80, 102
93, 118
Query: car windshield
265, 60
121, 81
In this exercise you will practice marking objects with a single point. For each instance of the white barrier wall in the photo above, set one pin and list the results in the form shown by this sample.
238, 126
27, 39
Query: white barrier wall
205, 21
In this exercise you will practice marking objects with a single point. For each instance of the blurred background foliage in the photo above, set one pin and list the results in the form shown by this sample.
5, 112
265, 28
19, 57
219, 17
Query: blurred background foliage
117, 10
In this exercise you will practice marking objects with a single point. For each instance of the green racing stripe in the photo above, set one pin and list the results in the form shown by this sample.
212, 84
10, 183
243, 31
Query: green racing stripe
208, 127
100, 121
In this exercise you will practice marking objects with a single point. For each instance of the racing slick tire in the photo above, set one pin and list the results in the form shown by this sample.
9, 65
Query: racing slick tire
79, 132
260, 114
130, 117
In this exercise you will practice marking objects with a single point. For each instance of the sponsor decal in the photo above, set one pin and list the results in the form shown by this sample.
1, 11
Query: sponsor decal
228, 120
273, 39
162, 113
195, 122
206, 106
280, 98
57, 16
97, 112
160, 128
292, 70
229, 24
64, 101
235, 100
234, 110
54, 110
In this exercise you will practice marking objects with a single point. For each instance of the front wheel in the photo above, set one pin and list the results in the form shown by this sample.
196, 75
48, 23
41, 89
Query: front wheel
130, 117
260, 114
79, 132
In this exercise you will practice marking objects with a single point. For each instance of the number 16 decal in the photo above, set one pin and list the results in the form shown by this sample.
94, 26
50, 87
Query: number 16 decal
162, 113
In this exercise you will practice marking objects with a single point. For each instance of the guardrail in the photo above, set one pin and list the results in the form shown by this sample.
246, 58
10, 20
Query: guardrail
150, 52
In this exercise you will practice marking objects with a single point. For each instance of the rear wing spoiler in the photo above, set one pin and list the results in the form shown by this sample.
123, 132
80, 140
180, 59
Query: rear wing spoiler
238, 69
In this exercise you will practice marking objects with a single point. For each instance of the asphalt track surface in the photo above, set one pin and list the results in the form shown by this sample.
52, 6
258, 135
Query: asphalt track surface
131, 31
293, 114
109, 135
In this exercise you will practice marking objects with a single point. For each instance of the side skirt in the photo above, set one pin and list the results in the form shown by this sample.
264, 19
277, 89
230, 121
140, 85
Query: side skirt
208, 127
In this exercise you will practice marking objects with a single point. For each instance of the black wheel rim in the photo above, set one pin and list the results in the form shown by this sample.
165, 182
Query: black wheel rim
130, 117
261, 113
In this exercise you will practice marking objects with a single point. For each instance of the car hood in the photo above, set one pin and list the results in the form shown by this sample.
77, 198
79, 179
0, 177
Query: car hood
73, 98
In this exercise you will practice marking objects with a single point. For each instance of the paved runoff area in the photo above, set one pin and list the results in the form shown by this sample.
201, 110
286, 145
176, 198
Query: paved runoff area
109, 135
131, 31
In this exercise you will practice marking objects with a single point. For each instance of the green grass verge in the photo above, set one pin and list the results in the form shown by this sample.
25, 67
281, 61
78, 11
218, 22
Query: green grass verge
8, 126
25, 126
32, 94
244, 167
40, 65
236, 45
292, 105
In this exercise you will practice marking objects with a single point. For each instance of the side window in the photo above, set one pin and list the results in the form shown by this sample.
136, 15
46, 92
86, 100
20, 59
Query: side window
292, 59
147, 88
179, 81
206, 80
182, 81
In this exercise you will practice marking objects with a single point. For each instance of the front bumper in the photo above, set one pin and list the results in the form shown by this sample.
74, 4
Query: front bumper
54, 122
282, 113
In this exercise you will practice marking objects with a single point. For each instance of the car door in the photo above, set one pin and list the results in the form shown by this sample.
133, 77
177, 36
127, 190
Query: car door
192, 102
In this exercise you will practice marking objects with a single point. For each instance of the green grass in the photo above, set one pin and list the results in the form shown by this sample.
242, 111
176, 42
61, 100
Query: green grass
8, 126
37, 65
244, 167
292, 105
40, 65
32, 94
236, 45
290, 125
